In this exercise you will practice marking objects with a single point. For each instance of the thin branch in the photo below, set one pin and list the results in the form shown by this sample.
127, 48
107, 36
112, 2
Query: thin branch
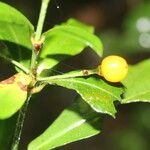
19, 124
37, 39
72, 74
41, 20
15, 63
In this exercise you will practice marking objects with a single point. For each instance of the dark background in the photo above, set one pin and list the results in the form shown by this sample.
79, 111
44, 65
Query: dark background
116, 24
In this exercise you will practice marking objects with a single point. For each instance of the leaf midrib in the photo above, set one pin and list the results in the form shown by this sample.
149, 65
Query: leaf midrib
76, 124
91, 85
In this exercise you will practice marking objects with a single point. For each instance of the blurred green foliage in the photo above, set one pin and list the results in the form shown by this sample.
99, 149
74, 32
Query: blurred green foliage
135, 34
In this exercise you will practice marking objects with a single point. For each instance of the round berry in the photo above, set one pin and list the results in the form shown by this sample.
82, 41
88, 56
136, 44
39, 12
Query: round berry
113, 68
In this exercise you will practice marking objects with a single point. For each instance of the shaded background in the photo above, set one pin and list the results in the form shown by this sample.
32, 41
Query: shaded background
124, 28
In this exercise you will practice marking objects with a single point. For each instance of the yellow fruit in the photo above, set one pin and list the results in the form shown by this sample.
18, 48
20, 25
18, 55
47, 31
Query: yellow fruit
113, 68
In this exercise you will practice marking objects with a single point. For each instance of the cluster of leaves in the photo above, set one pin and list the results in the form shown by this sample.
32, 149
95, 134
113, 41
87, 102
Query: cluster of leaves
82, 119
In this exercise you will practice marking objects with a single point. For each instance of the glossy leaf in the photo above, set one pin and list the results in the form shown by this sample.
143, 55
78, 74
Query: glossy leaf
67, 40
95, 91
13, 93
15, 33
137, 83
75, 123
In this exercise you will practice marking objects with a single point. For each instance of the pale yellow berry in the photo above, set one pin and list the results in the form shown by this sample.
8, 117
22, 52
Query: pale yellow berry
113, 68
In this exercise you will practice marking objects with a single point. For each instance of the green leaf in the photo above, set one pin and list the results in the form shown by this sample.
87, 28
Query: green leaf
95, 91
15, 34
137, 83
13, 93
76, 23
75, 123
78, 34
66, 40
